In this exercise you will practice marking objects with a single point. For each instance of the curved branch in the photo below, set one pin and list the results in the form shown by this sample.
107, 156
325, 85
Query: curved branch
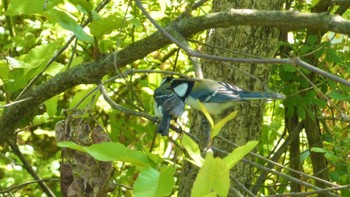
92, 72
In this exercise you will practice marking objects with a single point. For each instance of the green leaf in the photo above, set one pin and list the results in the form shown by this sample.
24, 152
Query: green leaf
339, 96
314, 2
166, 181
68, 23
27, 7
312, 39
5, 70
318, 150
110, 151
304, 155
212, 177
83, 3
193, 150
83, 98
238, 153
153, 183
105, 25
301, 112
51, 106
206, 113
54, 69
218, 126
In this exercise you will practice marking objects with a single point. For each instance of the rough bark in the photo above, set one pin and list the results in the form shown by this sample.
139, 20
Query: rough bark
252, 40
92, 72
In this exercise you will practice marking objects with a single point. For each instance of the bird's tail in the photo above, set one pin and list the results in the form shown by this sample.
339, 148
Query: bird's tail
164, 125
262, 95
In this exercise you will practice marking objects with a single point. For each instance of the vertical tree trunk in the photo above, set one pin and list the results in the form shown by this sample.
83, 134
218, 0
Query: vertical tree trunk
250, 40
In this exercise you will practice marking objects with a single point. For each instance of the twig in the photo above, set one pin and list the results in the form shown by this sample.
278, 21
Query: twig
29, 169
296, 61
312, 192
18, 187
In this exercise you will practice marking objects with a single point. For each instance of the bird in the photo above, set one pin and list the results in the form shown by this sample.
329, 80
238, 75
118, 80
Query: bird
167, 105
216, 96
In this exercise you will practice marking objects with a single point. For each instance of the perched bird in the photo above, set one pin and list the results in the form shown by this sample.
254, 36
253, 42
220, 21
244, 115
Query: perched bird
167, 105
216, 96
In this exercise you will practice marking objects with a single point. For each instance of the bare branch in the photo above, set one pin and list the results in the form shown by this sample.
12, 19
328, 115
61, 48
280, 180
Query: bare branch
92, 72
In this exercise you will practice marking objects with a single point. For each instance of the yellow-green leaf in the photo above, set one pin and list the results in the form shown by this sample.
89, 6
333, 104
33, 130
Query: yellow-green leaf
206, 113
238, 153
193, 150
218, 126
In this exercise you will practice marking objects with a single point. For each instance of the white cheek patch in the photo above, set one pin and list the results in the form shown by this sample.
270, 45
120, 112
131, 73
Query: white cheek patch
181, 89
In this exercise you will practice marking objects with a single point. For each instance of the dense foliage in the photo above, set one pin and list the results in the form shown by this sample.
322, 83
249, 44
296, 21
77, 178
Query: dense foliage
41, 39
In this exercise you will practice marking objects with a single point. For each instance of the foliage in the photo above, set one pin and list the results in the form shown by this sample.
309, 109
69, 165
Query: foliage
35, 47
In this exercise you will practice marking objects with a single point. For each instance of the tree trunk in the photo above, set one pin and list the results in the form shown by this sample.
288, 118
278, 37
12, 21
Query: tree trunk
250, 40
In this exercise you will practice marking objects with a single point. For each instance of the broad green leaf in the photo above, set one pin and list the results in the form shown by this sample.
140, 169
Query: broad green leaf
218, 126
105, 25
318, 150
314, 2
110, 151
51, 106
238, 153
54, 69
5, 70
83, 3
339, 96
17, 80
146, 183
206, 113
166, 181
212, 177
68, 23
27, 7
39, 56
212, 194
332, 56
193, 150
312, 39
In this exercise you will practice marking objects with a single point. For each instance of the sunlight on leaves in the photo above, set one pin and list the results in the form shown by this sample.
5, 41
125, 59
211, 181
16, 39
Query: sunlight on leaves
110, 151
212, 177
206, 113
218, 126
193, 150
238, 153
153, 183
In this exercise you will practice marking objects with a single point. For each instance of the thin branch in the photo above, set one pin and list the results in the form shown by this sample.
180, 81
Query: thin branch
312, 192
294, 61
279, 165
30, 170
92, 72
18, 187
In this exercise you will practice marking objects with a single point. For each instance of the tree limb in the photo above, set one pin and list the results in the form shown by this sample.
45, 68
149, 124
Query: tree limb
93, 71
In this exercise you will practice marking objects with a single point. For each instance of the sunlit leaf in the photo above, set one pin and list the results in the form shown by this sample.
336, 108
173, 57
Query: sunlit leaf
212, 177
238, 153
193, 150
68, 23
218, 126
51, 106
27, 7
206, 113
110, 151
105, 25
318, 150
